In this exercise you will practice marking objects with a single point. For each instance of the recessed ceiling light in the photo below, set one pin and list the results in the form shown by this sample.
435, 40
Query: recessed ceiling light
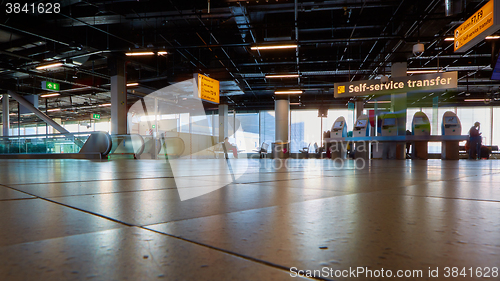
282, 76
140, 54
50, 95
289, 92
274, 47
52, 65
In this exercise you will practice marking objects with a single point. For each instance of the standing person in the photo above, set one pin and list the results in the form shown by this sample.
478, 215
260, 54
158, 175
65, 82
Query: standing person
474, 141
229, 146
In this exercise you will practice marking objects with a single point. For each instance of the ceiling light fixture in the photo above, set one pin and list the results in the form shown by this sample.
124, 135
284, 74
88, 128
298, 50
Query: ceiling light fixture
132, 84
105, 104
290, 92
140, 54
282, 76
475, 100
162, 53
53, 109
274, 47
449, 39
380, 101
492, 37
423, 71
50, 95
52, 65
295, 103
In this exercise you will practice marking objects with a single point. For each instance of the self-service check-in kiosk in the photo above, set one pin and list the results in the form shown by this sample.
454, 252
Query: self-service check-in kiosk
450, 126
420, 126
361, 129
389, 128
338, 146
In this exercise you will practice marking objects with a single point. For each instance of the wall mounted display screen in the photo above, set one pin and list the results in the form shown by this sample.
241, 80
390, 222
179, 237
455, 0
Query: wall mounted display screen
390, 122
361, 123
338, 125
419, 121
451, 120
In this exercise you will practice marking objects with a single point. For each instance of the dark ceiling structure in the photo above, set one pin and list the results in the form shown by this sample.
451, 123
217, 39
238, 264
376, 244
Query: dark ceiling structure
337, 41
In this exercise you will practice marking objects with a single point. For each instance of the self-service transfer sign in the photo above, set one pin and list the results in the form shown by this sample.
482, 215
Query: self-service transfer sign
396, 85
482, 23
207, 88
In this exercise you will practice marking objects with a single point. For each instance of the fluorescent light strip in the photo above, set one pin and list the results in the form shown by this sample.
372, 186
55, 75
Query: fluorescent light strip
140, 54
132, 84
476, 100
50, 95
423, 71
381, 101
274, 47
295, 103
52, 65
53, 109
282, 76
449, 39
162, 53
492, 37
291, 92
105, 104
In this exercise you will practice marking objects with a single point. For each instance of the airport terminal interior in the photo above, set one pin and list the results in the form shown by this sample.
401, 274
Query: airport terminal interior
249, 140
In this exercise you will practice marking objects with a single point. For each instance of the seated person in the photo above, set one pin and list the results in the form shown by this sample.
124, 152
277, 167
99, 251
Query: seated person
229, 146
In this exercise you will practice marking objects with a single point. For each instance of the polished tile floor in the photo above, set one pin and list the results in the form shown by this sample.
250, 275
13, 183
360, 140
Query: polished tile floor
136, 220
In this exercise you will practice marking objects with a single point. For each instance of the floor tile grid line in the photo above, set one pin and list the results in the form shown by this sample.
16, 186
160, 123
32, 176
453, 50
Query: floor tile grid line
249, 258
69, 206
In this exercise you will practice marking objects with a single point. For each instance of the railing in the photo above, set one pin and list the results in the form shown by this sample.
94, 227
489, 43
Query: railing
70, 143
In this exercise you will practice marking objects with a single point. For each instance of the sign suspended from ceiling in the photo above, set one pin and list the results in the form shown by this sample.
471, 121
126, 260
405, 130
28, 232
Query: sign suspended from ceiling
482, 23
206, 88
396, 85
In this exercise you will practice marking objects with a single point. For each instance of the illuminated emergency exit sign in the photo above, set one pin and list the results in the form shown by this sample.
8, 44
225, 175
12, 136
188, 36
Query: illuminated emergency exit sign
95, 116
51, 86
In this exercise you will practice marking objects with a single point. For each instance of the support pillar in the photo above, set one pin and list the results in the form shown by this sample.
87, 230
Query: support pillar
399, 107
223, 122
118, 97
281, 147
5, 115
359, 109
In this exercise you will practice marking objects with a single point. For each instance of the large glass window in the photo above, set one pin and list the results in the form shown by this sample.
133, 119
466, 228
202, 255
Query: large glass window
247, 131
267, 124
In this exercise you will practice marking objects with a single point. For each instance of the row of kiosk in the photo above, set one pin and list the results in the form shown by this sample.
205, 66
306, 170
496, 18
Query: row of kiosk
388, 139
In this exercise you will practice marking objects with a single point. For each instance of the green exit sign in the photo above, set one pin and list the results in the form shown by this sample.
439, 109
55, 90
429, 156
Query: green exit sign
95, 116
51, 86
154, 126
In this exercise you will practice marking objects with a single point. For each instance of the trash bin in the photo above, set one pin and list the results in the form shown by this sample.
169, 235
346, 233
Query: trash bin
280, 150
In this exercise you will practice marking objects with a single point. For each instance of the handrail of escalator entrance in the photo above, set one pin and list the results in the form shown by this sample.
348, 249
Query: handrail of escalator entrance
110, 144
141, 148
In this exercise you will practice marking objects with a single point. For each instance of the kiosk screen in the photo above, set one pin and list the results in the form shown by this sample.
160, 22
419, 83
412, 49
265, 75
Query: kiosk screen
361, 123
451, 120
338, 125
390, 122
419, 121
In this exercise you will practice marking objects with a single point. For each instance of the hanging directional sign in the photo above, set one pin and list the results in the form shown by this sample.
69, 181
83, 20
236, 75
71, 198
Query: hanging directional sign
482, 23
206, 88
51, 86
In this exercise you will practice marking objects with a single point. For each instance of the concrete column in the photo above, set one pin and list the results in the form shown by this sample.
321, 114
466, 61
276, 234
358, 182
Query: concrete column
223, 122
359, 109
118, 97
399, 106
282, 110
5, 115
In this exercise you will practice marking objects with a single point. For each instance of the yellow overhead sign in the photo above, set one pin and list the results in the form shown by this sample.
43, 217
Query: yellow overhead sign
207, 88
482, 23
